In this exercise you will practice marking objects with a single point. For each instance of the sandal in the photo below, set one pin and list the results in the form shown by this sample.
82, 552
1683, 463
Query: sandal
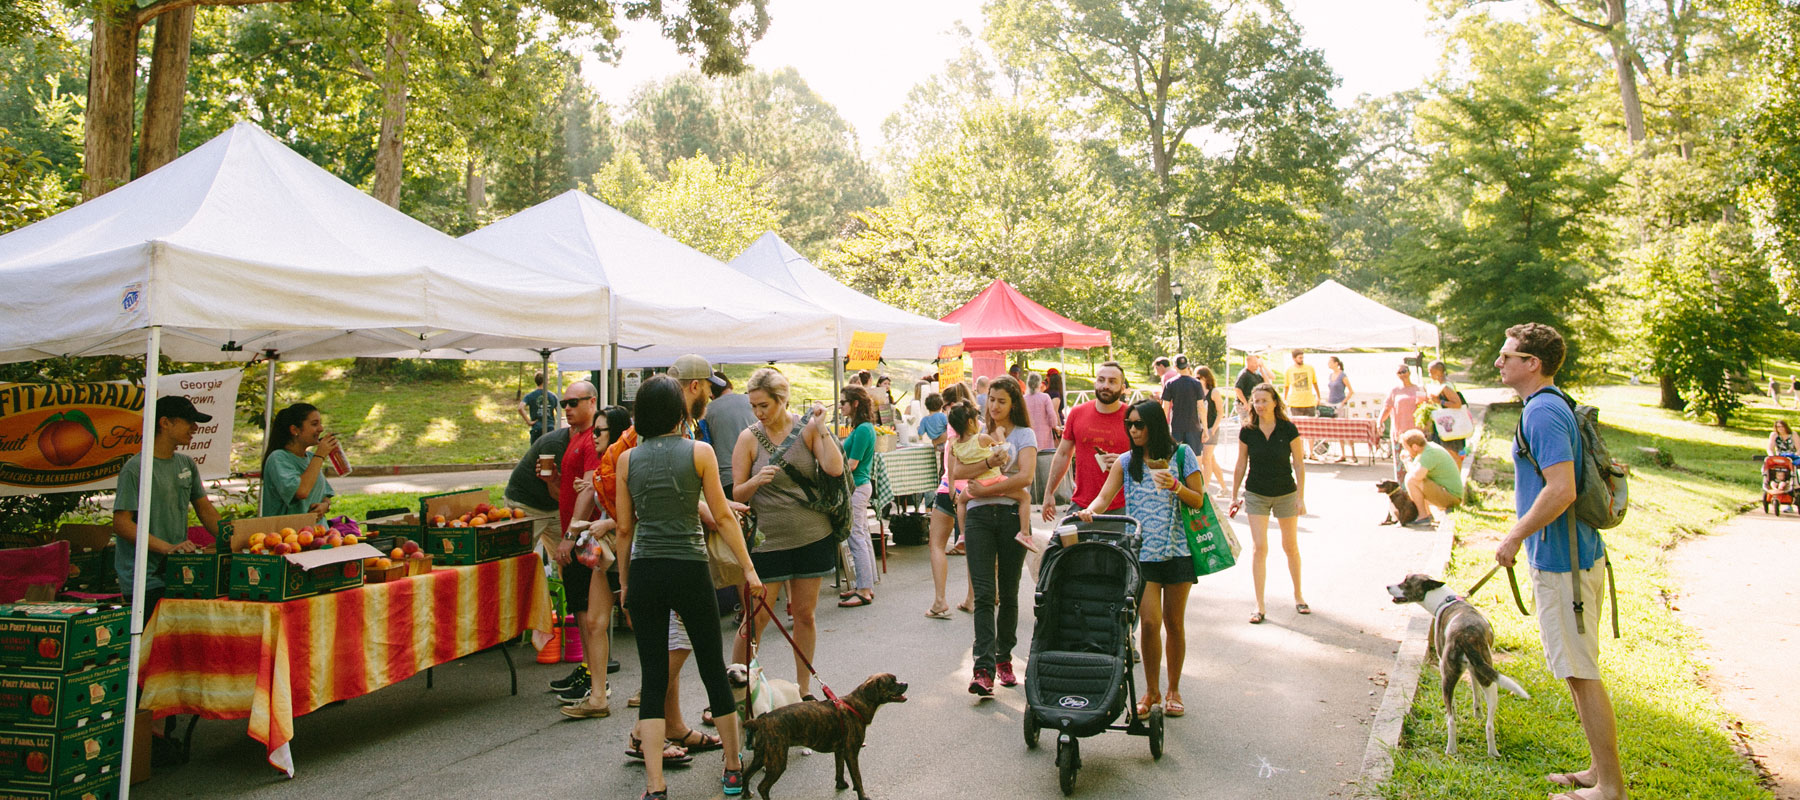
846, 595
1256, 618
649, 795
856, 601
1172, 707
1302, 608
966, 607
1143, 706
698, 742
939, 613
672, 753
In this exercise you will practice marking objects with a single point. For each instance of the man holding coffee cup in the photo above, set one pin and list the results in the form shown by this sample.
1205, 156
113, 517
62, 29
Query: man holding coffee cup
535, 481
1093, 438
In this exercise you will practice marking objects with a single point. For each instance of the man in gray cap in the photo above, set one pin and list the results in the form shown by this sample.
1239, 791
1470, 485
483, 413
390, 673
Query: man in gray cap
174, 485
697, 379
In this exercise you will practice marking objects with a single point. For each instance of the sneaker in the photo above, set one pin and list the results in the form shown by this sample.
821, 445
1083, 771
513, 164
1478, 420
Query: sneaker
578, 688
580, 673
587, 709
982, 685
1004, 672
733, 782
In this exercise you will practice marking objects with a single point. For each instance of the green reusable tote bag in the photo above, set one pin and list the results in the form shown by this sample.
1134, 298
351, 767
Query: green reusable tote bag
1212, 545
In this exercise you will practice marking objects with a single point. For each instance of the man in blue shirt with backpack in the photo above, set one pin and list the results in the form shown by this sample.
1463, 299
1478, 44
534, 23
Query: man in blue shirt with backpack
1546, 458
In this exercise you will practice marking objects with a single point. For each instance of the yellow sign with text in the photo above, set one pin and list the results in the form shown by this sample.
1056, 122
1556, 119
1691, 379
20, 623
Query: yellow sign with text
950, 365
865, 349
57, 435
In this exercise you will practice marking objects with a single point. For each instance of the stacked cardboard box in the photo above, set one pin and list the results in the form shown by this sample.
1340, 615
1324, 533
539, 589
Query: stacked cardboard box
62, 699
90, 558
474, 544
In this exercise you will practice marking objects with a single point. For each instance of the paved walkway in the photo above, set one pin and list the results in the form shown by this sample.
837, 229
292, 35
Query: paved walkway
1738, 591
1279, 710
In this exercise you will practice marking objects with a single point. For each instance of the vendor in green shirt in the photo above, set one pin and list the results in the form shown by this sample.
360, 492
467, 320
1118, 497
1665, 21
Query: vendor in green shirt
294, 475
174, 486
1434, 481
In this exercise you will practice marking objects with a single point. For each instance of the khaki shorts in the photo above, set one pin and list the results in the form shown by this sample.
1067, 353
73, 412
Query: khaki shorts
1570, 654
1282, 507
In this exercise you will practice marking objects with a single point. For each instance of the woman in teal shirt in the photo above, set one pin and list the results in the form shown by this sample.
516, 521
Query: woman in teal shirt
293, 477
859, 450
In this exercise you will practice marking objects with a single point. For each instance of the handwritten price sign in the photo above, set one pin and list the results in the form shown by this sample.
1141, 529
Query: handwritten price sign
865, 349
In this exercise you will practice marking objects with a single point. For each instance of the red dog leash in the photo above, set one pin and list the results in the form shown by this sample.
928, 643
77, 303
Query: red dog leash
763, 601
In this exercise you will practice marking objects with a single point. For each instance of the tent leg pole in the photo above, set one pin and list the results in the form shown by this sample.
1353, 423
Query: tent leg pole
614, 376
837, 383
269, 402
600, 380
545, 410
140, 567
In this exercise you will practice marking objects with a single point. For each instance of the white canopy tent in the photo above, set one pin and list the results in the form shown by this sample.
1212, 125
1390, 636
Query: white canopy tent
243, 247
771, 261
1330, 316
667, 299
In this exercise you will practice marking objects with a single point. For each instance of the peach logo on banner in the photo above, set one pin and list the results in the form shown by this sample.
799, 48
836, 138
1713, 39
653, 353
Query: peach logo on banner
54, 436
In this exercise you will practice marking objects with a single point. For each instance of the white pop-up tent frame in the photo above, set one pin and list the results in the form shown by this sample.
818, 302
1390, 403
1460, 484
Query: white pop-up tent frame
1331, 317
242, 247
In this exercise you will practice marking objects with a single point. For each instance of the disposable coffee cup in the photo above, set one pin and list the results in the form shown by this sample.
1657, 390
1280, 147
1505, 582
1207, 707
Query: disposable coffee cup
1069, 534
547, 465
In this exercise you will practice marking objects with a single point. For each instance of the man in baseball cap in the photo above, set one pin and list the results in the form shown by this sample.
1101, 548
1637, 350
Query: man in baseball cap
697, 378
174, 485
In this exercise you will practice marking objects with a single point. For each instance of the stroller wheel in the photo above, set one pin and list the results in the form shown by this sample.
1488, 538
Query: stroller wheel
1156, 732
1068, 761
1031, 730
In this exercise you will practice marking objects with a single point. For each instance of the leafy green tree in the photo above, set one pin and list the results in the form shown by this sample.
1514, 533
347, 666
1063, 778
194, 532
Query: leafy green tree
1773, 192
716, 208
1005, 198
1222, 109
806, 154
1512, 231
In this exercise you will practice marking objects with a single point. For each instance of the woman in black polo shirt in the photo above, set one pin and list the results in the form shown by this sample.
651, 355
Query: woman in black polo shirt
1269, 449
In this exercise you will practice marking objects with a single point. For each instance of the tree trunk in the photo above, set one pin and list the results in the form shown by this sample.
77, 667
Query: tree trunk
474, 190
167, 90
1671, 396
112, 89
390, 149
1628, 89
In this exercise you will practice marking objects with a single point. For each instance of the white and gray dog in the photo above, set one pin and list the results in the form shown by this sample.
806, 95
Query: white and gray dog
1463, 640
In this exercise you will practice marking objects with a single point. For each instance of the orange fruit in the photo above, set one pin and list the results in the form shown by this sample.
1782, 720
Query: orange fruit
304, 537
286, 532
518, 513
396, 553
350, 539
257, 538
291, 538
382, 563
477, 520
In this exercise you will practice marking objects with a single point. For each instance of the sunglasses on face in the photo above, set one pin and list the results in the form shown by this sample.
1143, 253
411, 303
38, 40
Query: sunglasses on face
1136, 423
1506, 354
571, 402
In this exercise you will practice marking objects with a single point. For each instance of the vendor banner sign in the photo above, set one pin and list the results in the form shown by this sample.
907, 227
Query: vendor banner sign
950, 365
75, 437
865, 350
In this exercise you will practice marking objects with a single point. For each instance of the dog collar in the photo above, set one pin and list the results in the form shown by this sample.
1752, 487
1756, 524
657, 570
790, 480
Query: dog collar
1437, 613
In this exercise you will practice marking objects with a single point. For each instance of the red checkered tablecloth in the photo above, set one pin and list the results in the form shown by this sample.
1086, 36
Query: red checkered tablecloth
271, 662
1339, 429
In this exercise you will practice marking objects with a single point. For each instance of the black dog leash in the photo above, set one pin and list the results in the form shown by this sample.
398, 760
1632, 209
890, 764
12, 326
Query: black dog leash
1510, 577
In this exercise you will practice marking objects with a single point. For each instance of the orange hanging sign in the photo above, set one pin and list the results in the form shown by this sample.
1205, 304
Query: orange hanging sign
59, 437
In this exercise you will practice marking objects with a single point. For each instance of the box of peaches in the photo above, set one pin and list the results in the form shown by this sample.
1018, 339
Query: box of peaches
291, 556
464, 528
406, 559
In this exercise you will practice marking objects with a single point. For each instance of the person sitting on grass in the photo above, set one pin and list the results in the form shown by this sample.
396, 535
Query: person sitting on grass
1433, 481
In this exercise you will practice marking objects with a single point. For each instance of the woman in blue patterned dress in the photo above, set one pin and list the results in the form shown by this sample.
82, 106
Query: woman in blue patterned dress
1148, 476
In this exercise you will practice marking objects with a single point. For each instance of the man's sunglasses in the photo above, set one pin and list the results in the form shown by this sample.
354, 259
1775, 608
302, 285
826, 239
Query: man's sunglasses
571, 402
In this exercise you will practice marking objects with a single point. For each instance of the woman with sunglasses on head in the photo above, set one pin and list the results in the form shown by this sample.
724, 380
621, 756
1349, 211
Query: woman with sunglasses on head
859, 449
1269, 450
1156, 474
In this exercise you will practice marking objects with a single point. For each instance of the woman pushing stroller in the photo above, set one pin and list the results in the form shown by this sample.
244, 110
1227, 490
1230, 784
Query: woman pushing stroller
1148, 474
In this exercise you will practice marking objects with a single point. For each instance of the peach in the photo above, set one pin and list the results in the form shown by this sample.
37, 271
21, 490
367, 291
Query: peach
286, 532
396, 553
257, 538
350, 539
305, 538
518, 513
477, 520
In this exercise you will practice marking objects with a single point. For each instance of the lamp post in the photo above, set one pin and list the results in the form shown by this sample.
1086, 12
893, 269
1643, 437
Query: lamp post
1180, 345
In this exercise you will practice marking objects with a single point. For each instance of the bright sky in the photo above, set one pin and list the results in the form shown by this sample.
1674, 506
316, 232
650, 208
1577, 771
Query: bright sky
862, 55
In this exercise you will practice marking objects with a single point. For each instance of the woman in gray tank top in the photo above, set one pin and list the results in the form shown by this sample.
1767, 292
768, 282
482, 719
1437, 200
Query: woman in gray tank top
797, 547
662, 481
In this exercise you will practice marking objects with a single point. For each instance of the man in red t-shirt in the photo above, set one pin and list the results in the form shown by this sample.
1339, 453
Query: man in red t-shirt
587, 591
1095, 431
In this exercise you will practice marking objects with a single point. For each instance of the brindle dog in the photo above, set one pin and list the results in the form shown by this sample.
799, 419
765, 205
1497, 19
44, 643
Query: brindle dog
1463, 640
824, 727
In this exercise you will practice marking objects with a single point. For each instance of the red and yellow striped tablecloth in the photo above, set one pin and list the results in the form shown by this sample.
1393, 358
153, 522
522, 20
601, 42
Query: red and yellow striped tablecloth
271, 662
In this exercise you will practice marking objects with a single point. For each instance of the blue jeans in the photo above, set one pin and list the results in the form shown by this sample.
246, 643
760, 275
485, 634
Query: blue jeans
995, 561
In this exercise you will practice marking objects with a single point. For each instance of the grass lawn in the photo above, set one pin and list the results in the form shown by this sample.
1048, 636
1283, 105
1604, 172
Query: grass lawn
1671, 734
474, 419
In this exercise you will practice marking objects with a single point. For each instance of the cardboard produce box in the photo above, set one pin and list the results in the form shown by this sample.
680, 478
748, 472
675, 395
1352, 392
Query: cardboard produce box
392, 572
265, 576
475, 544
99, 786
52, 702
90, 558
62, 637
382, 533
60, 758
197, 576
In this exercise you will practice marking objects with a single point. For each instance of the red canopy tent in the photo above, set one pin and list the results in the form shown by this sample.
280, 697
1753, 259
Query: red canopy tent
1000, 318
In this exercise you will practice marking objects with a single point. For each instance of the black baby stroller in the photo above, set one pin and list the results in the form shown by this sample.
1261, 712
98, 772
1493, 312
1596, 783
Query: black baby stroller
1080, 674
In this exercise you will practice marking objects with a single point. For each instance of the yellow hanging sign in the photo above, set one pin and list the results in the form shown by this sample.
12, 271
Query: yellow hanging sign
865, 349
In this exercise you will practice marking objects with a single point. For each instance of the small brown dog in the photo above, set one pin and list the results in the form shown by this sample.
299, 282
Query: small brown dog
824, 727
1404, 510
